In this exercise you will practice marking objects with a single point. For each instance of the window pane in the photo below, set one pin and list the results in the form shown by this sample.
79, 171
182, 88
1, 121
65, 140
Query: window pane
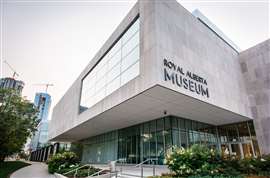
131, 44
114, 49
106, 76
114, 60
100, 84
160, 147
181, 124
130, 59
184, 139
114, 85
160, 124
101, 72
115, 72
129, 74
176, 140
131, 31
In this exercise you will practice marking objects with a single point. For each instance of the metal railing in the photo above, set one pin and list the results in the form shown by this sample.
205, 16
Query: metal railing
76, 170
112, 172
121, 160
141, 166
102, 170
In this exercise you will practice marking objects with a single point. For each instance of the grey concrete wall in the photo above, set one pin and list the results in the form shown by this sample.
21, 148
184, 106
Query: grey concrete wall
66, 113
255, 66
167, 30
187, 42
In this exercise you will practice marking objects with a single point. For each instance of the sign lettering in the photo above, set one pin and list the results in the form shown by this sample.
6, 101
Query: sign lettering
186, 79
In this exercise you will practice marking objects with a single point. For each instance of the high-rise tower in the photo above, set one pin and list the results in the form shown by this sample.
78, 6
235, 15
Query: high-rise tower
42, 102
11, 83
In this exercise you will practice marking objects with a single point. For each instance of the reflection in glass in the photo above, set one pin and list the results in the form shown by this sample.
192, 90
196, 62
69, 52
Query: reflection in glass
120, 64
152, 139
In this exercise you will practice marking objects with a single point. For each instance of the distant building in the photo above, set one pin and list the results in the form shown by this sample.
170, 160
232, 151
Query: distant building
43, 103
11, 83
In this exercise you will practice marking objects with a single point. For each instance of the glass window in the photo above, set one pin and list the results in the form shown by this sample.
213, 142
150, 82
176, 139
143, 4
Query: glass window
114, 60
251, 128
115, 49
160, 124
160, 147
174, 123
130, 59
168, 139
232, 133
116, 68
101, 72
184, 139
181, 124
114, 85
131, 31
129, 74
130, 45
152, 140
176, 140
115, 72
146, 138
188, 124
100, 84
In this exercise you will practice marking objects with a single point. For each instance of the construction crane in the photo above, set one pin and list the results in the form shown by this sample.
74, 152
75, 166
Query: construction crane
11, 68
47, 85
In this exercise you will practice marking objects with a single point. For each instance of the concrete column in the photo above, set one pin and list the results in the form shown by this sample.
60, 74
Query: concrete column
54, 149
43, 154
50, 151
34, 156
57, 147
37, 155
241, 150
40, 155
46, 153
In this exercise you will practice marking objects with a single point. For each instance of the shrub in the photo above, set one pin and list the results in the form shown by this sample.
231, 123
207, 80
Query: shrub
264, 165
249, 166
196, 160
62, 161
230, 167
200, 161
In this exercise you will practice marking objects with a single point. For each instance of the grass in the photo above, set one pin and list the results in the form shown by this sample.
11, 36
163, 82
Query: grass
8, 167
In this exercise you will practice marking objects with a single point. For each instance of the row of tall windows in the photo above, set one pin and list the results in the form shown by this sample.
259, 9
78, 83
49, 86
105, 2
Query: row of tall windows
148, 140
152, 139
115, 69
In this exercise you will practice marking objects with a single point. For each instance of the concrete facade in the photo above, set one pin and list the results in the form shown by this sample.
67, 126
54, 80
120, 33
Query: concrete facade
255, 66
167, 31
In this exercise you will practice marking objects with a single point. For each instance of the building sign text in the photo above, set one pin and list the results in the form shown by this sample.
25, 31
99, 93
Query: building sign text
186, 79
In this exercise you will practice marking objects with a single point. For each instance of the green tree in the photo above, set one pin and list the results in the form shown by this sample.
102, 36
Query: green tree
17, 122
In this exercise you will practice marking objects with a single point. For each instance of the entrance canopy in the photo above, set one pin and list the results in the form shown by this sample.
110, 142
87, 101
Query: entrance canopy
152, 104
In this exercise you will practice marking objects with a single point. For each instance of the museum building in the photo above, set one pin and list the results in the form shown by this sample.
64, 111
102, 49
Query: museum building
167, 77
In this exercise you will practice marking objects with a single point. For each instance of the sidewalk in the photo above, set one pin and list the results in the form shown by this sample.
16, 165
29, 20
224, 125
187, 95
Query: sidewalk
36, 170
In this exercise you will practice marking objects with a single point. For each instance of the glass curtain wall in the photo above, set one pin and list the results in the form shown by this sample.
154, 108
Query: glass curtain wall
151, 140
238, 140
119, 65
101, 148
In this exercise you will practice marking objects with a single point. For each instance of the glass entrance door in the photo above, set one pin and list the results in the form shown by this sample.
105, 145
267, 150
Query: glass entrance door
238, 150
247, 150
